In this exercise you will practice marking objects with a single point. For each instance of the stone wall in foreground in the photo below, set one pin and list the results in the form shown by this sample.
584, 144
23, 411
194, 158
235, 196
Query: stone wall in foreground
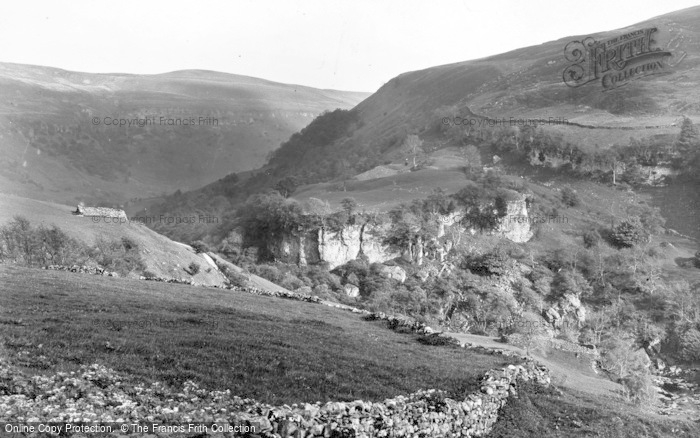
424, 413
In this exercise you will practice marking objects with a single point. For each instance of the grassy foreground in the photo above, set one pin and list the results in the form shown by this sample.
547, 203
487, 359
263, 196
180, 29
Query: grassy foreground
549, 413
276, 351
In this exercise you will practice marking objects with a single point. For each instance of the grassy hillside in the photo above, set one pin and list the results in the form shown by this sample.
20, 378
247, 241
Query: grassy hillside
432, 105
162, 256
274, 350
60, 142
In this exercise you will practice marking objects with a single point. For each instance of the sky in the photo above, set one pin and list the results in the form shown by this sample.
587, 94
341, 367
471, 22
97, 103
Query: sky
355, 45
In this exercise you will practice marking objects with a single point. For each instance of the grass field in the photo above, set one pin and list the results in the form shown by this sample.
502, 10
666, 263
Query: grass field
273, 350
548, 413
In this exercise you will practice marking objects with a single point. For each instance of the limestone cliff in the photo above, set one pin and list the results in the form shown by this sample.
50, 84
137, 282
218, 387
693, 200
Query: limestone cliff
515, 225
337, 247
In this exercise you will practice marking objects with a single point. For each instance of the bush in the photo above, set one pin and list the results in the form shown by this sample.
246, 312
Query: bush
569, 197
628, 234
591, 238
690, 345
496, 262
639, 388
436, 339
114, 256
322, 291
129, 244
290, 282
193, 268
235, 278
149, 274
268, 272
42, 246
199, 246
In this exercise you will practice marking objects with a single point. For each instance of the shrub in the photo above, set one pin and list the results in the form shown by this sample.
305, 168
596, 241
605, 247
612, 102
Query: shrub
290, 282
690, 345
322, 291
569, 197
496, 262
114, 256
627, 234
268, 272
42, 246
436, 339
591, 238
199, 246
193, 268
235, 278
639, 387
149, 274
129, 244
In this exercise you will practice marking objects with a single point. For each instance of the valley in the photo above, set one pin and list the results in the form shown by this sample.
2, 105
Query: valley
506, 246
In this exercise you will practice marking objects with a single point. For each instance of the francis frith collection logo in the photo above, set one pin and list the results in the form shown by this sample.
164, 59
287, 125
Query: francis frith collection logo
615, 62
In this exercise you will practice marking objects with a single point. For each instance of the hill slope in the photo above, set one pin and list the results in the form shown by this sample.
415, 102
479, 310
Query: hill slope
60, 142
525, 84
472, 103
161, 255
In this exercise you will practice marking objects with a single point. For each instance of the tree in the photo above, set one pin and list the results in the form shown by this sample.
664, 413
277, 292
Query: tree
472, 157
349, 205
286, 186
411, 228
412, 144
265, 216
318, 210
569, 197
628, 233
688, 140
478, 204
591, 238
571, 282
199, 246
611, 159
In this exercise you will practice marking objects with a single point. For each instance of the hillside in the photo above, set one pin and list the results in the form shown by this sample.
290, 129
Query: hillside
525, 84
169, 350
177, 130
162, 256
515, 105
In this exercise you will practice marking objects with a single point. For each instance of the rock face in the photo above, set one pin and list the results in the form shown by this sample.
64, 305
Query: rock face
351, 290
393, 273
516, 225
335, 247
567, 304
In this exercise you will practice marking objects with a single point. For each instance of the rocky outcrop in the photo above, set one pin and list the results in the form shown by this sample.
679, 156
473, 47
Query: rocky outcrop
568, 304
515, 225
334, 247
393, 273
339, 246
351, 290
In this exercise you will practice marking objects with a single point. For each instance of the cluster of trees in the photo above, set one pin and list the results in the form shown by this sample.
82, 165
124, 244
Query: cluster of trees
265, 218
481, 205
41, 246
24, 244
